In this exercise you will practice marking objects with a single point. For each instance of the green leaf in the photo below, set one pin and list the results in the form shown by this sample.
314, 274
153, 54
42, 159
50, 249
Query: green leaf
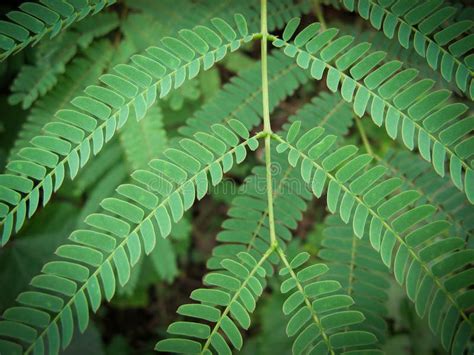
180, 346
290, 28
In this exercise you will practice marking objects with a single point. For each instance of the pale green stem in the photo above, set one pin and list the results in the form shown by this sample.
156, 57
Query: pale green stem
266, 121
319, 14
266, 110
363, 136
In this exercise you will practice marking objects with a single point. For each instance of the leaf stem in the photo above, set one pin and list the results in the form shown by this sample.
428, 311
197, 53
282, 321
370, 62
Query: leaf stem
263, 48
266, 121
363, 136
319, 14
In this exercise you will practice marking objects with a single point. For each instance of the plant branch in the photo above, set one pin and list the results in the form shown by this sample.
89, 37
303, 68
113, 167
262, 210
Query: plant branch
266, 121
263, 43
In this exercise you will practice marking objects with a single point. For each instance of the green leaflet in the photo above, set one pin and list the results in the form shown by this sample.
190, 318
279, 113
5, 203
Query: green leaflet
408, 234
244, 232
394, 222
109, 242
246, 229
143, 140
388, 94
438, 191
119, 94
80, 73
284, 78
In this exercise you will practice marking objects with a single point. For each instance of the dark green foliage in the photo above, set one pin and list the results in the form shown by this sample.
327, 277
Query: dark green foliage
148, 173
360, 272
422, 25
126, 225
393, 98
82, 131
402, 232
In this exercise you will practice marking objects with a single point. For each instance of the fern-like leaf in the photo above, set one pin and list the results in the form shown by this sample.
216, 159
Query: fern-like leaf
360, 271
246, 229
115, 238
393, 98
433, 269
81, 72
320, 313
35, 81
409, 57
450, 203
246, 232
80, 132
237, 285
421, 25
32, 21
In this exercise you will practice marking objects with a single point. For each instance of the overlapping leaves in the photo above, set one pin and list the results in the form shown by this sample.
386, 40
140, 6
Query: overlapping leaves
101, 256
360, 271
77, 133
247, 227
320, 313
450, 203
435, 269
51, 57
81, 72
236, 287
32, 21
428, 119
431, 28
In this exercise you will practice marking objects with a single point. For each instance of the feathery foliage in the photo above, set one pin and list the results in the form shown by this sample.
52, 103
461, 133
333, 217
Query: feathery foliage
32, 21
393, 97
360, 271
35, 81
321, 314
284, 78
440, 192
80, 73
116, 236
153, 148
399, 231
144, 140
82, 131
431, 29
